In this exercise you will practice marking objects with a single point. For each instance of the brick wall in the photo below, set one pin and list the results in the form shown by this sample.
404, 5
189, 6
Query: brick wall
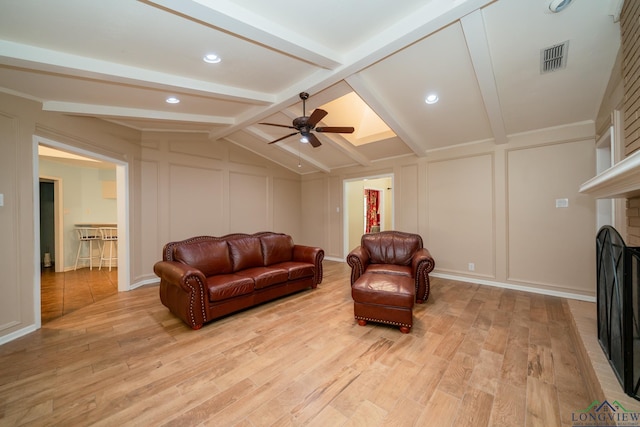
630, 28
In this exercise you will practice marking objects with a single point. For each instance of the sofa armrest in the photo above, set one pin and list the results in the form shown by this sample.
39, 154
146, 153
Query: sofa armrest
358, 260
422, 264
310, 254
182, 290
177, 273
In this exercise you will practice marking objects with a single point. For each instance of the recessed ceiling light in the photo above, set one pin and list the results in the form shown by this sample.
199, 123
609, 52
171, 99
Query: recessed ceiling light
211, 58
431, 98
172, 100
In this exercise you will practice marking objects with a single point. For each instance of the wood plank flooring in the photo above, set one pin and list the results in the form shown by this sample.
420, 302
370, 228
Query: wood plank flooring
63, 293
476, 356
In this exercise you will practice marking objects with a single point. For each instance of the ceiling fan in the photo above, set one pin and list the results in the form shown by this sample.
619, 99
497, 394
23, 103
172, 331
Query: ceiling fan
305, 124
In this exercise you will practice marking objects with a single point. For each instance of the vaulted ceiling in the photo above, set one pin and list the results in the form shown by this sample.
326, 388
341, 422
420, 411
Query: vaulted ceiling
369, 64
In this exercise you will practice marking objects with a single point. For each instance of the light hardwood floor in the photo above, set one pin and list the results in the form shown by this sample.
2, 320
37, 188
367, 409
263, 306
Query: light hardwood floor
476, 356
63, 293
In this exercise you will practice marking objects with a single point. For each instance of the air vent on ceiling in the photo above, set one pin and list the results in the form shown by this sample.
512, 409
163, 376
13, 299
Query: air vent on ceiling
554, 58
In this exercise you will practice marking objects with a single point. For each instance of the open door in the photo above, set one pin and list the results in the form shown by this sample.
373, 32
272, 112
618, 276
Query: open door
356, 213
372, 210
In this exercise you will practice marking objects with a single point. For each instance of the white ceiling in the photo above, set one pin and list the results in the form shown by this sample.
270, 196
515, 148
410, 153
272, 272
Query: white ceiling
119, 60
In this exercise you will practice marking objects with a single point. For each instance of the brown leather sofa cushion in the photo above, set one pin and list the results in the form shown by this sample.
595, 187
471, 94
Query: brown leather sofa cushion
391, 248
265, 276
210, 257
297, 270
246, 252
226, 286
276, 248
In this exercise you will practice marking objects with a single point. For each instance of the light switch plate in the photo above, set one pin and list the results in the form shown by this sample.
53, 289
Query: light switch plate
1, 199
562, 203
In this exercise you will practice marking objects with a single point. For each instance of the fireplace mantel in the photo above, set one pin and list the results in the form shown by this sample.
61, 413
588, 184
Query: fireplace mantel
622, 180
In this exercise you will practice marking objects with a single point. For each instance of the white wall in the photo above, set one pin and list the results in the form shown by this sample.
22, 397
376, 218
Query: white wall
185, 184
192, 186
494, 206
83, 201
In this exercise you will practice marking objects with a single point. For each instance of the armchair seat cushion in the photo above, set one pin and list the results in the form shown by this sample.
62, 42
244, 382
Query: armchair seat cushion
400, 270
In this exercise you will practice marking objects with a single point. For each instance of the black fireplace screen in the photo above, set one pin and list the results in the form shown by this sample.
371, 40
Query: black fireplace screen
618, 268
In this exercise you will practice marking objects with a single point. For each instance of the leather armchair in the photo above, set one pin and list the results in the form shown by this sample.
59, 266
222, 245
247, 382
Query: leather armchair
393, 253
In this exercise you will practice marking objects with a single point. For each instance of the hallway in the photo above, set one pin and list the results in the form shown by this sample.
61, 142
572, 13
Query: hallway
62, 293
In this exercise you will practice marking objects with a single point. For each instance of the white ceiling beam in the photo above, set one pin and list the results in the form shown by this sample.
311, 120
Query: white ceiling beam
478, 45
389, 117
347, 148
266, 138
51, 61
430, 18
137, 113
227, 16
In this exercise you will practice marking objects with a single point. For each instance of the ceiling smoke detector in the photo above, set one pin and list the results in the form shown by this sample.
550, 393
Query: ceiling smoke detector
558, 5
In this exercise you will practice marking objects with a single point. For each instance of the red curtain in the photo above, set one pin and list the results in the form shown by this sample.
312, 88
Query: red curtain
372, 198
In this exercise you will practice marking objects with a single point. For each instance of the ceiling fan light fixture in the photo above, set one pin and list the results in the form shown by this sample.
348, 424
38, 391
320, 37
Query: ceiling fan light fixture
432, 98
306, 125
211, 58
556, 6
172, 100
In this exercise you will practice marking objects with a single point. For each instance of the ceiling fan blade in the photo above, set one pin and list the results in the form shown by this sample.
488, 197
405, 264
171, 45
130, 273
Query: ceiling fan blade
316, 116
335, 129
314, 141
284, 137
275, 124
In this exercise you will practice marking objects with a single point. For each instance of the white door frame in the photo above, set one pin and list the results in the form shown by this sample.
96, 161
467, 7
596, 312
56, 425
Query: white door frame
345, 209
122, 195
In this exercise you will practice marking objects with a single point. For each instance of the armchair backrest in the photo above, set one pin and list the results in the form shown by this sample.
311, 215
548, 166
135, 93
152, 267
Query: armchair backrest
391, 247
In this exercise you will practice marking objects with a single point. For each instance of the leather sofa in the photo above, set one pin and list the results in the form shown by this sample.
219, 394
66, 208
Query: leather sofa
389, 271
204, 278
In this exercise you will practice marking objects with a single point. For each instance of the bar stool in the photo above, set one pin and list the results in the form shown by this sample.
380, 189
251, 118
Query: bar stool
109, 236
86, 237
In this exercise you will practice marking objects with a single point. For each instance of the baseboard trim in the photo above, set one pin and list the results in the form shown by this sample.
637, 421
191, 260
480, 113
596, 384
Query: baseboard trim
17, 334
142, 283
531, 289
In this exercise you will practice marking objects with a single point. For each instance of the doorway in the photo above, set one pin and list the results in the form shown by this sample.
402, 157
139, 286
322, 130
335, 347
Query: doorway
47, 224
66, 216
51, 215
358, 216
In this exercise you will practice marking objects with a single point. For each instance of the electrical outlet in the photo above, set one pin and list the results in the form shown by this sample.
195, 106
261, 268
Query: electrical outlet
472, 267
